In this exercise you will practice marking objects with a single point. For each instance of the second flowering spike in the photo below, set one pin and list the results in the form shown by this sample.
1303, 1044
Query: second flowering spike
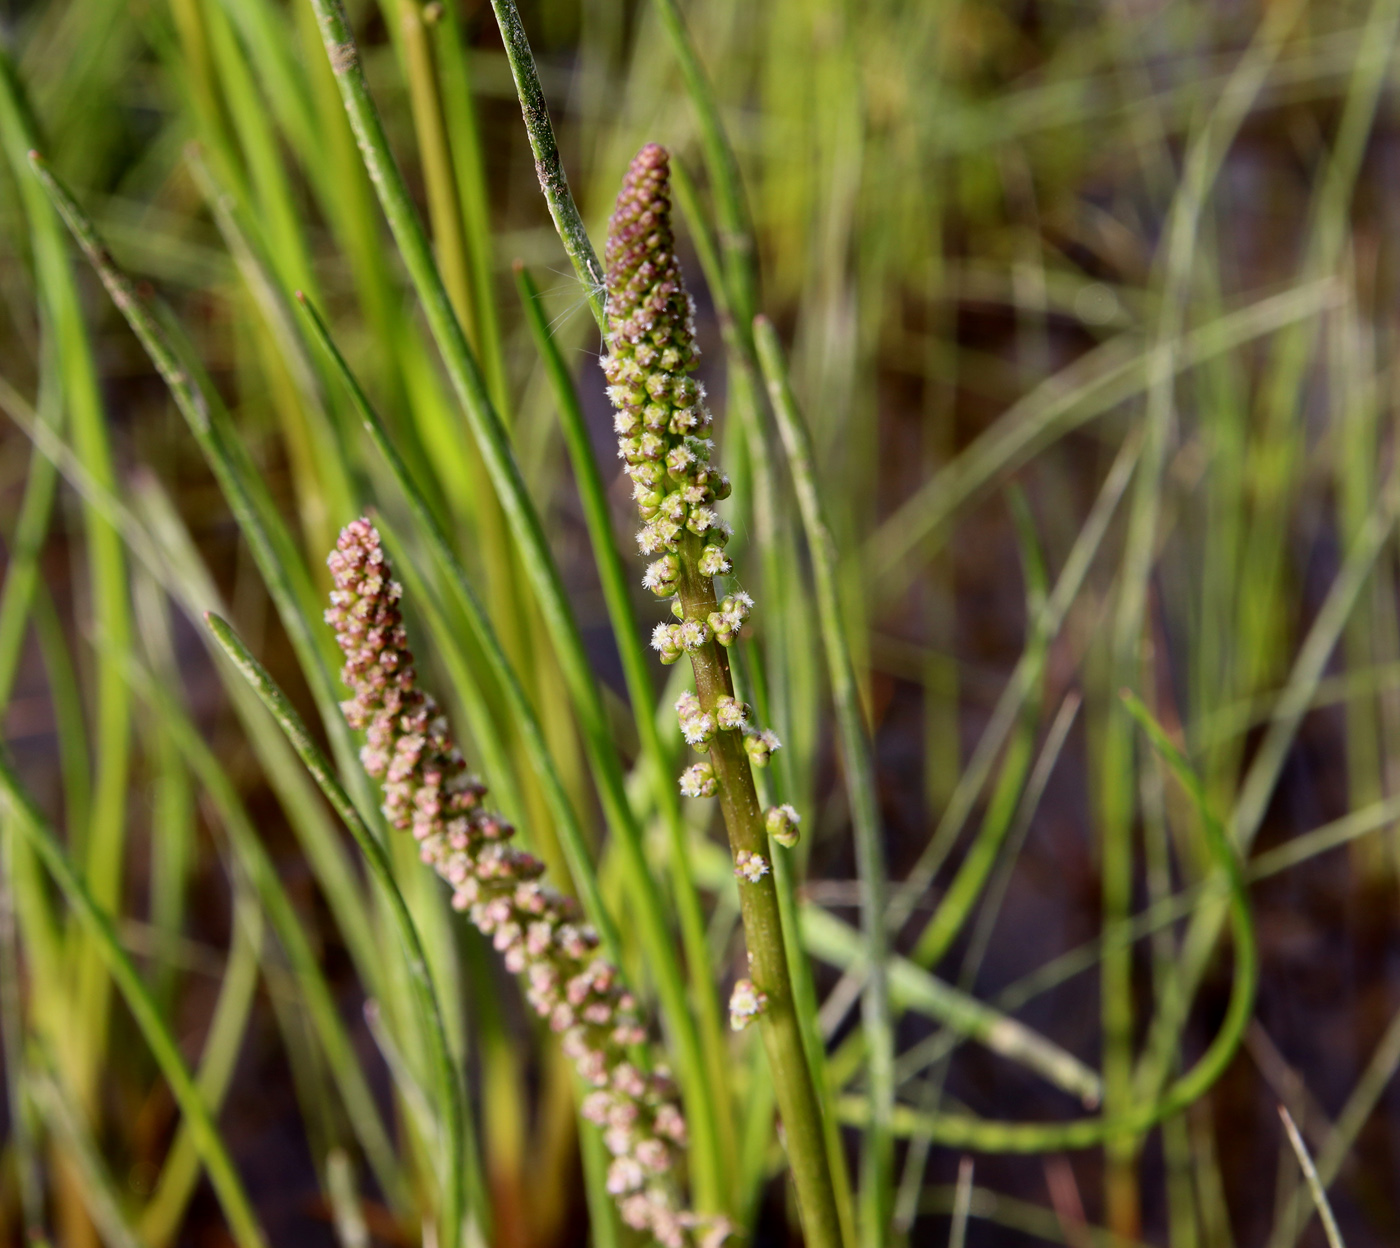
540, 933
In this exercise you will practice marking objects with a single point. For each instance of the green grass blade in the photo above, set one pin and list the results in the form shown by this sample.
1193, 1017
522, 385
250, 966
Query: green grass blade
554, 182
104, 839
986, 1135
877, 1186
291, 934
23, 1129
27, 821
278, 562
66, 1122
912, 988
1094, 384
160, 1221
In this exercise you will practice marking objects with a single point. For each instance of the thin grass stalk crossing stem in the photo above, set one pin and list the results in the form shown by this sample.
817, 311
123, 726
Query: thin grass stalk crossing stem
856, 756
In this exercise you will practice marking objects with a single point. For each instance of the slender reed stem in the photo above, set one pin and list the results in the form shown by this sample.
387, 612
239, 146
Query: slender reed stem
554, 182
856, 757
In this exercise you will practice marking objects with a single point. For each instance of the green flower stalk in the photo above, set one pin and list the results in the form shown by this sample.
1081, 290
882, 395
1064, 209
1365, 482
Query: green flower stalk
429, 791
662, 422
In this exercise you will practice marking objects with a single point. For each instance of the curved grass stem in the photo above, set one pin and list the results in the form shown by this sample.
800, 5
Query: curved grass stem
554, 182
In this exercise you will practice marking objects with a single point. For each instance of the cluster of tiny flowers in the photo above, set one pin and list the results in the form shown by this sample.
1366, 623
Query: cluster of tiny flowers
428, 790
761, 745
750, 866
746, 1003
729, 619
699, 781
671, 641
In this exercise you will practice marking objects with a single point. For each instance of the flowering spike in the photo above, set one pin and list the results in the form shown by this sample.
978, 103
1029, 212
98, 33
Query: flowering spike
539, 932
661, 414
662, 424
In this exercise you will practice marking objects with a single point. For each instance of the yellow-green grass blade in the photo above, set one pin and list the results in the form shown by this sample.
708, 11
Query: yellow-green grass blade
24, 819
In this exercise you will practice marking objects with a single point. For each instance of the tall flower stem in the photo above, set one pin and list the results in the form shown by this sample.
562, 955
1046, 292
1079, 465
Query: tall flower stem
661, 423
763, 927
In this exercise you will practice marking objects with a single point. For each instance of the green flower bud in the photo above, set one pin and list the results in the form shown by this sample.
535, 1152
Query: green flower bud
781, 822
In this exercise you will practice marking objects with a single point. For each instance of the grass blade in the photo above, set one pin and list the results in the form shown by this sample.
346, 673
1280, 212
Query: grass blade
27, 821
1315, 1188
877, 1186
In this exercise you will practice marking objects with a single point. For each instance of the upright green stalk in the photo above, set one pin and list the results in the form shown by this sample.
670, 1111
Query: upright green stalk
856, 756
104, 838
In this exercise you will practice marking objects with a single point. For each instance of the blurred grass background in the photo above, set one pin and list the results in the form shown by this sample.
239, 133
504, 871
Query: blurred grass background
1090, 310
